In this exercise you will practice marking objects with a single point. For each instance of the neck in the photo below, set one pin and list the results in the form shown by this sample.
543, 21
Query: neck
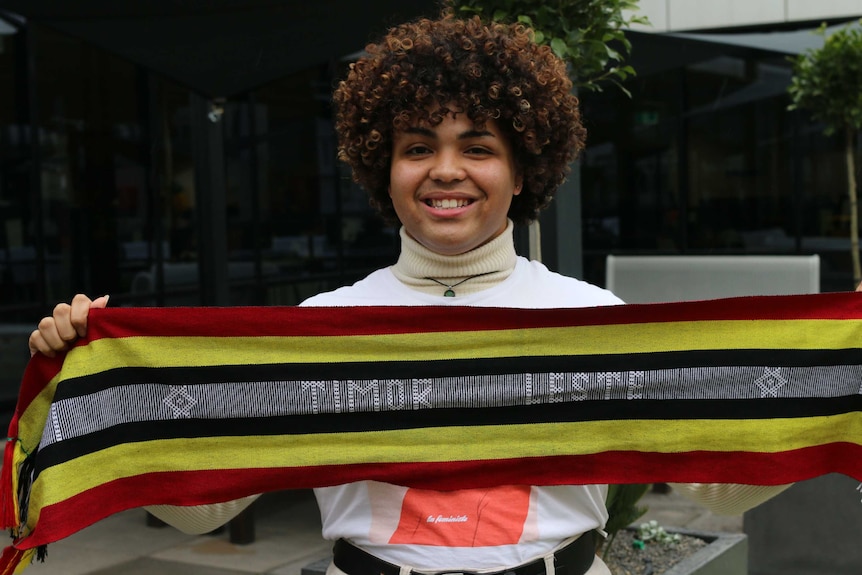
490, 264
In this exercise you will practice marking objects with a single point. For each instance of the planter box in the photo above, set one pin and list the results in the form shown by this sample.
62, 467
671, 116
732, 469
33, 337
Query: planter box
726, 554
810, 529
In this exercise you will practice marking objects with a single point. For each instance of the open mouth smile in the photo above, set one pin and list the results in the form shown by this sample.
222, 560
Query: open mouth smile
448, 204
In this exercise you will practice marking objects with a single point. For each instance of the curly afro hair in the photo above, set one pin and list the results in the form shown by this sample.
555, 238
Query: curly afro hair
489, 71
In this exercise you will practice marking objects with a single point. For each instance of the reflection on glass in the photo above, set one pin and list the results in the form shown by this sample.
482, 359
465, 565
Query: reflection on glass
705, 158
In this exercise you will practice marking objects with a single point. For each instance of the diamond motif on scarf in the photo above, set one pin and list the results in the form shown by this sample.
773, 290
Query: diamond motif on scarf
180, 401
770, 382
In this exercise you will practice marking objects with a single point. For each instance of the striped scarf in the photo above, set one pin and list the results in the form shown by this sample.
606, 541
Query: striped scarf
188, 406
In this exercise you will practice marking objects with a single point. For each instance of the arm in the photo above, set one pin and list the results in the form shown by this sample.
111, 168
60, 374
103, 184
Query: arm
728, 498
198, 519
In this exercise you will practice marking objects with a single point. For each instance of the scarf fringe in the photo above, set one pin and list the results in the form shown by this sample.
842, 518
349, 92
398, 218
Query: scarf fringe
15, 483
14, 456
8, 499
26, 473
16, 480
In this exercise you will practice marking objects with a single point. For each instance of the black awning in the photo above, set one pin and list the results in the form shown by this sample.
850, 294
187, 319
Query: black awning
219, 48
656, 51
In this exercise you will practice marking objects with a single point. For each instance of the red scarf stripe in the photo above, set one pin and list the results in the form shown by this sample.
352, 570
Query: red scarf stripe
308, 321
69, 516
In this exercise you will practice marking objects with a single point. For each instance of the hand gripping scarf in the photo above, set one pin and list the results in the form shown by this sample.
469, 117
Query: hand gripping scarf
189, 406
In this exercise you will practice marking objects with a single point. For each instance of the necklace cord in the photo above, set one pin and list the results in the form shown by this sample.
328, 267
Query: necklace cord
450, 291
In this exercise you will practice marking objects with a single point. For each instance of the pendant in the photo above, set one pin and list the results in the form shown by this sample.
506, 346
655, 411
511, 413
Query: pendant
449, 293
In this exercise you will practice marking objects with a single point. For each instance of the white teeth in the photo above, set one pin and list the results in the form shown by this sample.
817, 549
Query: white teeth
448, 203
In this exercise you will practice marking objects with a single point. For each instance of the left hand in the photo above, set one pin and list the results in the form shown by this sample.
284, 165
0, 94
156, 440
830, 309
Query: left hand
58, 331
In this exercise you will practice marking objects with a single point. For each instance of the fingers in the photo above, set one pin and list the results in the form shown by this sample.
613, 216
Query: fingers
78, 312
66, 324
38, 345
859, 287
100, 302
62, 324
54, 333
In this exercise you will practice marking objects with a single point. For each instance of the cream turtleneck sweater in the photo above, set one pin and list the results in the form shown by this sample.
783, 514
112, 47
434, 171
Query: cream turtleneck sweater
478, 269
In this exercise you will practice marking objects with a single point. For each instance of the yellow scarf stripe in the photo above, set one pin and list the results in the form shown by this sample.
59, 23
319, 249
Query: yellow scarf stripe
443, 444
165, 351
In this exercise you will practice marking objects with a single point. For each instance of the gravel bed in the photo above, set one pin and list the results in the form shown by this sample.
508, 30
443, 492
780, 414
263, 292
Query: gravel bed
626, 559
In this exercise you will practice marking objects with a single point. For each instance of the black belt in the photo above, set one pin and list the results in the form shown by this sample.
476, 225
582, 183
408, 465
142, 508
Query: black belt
573, 559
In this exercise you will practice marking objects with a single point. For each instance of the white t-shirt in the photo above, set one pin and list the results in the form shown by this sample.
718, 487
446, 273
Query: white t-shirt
473, 528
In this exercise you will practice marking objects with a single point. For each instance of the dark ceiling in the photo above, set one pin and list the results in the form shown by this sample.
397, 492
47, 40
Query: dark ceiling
220, 48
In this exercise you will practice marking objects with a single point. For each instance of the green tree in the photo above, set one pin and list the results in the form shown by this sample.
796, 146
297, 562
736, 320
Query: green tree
827, 82
587, 34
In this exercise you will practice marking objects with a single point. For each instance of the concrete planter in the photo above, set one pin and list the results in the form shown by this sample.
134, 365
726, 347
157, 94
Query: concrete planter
726, 554
810, 529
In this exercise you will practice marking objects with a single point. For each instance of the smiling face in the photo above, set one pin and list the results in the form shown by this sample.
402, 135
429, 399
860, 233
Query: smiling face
451, 184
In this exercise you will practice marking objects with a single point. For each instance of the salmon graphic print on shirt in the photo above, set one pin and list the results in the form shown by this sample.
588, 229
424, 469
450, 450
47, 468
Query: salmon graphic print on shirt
464, 518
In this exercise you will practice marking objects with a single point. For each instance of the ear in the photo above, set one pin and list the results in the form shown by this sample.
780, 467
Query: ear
519, 185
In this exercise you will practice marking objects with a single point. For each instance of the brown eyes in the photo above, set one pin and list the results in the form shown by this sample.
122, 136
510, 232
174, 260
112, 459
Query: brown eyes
420, 150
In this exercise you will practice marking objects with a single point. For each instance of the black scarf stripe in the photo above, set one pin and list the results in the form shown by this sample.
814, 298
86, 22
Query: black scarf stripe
621, 410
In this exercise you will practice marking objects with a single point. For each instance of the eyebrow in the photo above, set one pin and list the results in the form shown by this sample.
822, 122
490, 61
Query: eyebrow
462, 136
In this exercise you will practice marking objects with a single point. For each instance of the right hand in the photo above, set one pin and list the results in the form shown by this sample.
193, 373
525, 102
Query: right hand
59, 331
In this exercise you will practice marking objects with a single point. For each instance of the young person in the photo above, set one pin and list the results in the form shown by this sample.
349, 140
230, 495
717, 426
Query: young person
458, 130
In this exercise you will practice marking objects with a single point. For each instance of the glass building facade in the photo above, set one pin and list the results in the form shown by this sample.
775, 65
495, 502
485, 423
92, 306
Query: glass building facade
107, 168
100, 193
705, 158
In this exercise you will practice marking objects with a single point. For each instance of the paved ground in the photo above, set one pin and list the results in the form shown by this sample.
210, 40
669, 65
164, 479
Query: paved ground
287, 538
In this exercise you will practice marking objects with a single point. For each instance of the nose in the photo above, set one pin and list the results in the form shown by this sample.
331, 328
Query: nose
447, 167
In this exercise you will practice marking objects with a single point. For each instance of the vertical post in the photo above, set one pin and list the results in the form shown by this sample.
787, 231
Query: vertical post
850, 165
211, 199
682, 161
241, 527
796, 177
534, 232
568, 227
253, 139
32, 116
153, 149
562, 242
